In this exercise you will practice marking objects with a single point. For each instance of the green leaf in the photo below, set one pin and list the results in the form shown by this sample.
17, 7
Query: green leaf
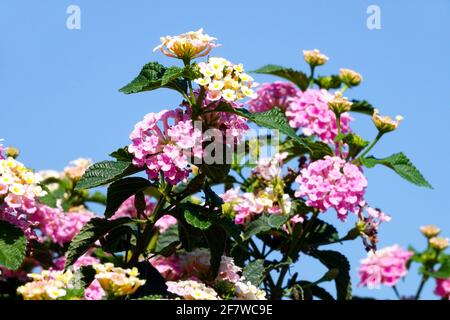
94, 230
329, 82
171, 74
335, 260
275, 119
122, 154
254, 272
297, 77
355, 143
153, 76
362, 106
13, 246
121, 190
195, 219
444, 270
263, 224
400, 163
104, 172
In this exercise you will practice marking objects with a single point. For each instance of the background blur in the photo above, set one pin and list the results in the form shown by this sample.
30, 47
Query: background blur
59, 96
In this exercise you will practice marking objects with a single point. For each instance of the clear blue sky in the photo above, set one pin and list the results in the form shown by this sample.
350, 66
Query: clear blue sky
59, 97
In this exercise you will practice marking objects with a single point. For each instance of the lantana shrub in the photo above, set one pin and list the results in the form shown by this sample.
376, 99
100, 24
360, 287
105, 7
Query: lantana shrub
219, 197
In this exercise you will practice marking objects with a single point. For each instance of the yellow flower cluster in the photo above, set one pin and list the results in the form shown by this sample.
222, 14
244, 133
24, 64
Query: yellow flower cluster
187, 46
223, 79
48, 285
117, 281
17, 182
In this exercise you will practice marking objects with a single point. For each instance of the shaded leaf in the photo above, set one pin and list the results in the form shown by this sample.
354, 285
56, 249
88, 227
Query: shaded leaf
254, 272
335, 260
94, 230
263, 224
167, 239
121, 190
216, 238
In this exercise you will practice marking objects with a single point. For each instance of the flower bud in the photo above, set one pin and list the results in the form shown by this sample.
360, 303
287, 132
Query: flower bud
385, 124
439, 243
339, 104
12, 152
314, 57
349, 77
430, 231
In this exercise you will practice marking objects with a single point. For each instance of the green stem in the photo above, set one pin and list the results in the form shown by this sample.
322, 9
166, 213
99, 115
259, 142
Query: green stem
293, 248
311, 76
338, 124
421, 285
144, 239
374, 142
397, 294
345, 87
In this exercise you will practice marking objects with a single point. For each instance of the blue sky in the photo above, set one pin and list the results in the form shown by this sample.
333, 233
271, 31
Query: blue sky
59, 97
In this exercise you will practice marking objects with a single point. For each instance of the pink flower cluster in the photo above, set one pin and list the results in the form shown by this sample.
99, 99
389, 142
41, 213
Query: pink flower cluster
385, 266
277, 94
168, 148
443, 288
194, 265
59, 226
18, 218
309, 111
332, 183
232, 126
128, 209
269, 169
248, 205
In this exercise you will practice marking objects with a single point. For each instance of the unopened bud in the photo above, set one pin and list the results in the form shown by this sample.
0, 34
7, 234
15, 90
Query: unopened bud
430, 231
12, 152
314, 57
439, 243
349, 77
